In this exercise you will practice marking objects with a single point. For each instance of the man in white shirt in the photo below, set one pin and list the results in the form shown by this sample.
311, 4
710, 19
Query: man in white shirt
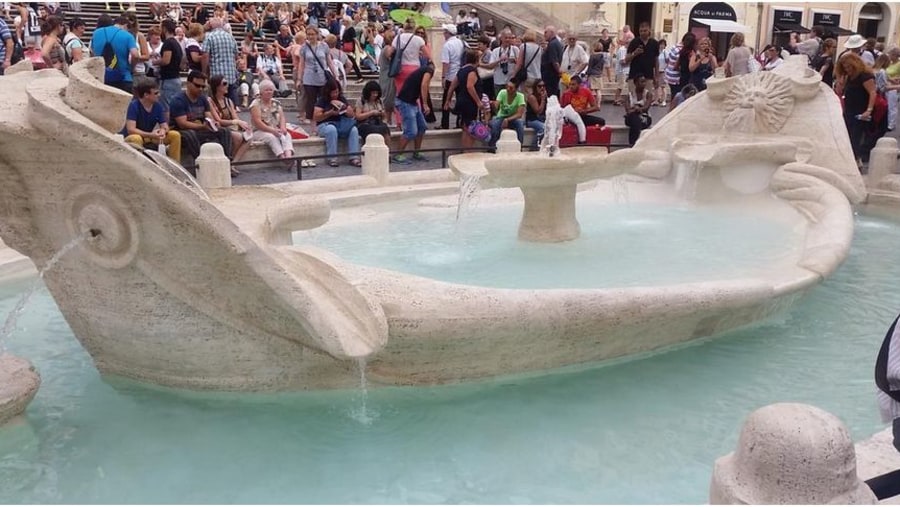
574, 59
503, 60
451, 57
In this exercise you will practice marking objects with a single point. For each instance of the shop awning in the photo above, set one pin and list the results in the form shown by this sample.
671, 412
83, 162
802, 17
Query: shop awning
790, 27
722, 25
838, 31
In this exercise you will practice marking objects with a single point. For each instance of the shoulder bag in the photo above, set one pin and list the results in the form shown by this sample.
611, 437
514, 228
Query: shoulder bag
522, 74
328, 75
396, 58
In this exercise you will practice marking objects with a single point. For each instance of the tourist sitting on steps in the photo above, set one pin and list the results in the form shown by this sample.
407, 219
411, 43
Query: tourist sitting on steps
190, 114
582, 101
370, 115
637, 107
226, 116
336, 119
510, 113
145, 121
536, 110
269, 126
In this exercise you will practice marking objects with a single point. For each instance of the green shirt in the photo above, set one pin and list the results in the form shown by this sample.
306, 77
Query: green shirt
504, 108
893, 71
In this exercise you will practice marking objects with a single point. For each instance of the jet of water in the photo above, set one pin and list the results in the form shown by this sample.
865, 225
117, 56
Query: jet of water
469, 190
13, 317
553, 127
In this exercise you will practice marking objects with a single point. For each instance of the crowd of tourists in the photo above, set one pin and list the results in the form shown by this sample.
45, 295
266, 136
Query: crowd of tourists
493, 78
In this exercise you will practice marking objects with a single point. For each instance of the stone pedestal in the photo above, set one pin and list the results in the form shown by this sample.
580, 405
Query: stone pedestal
213, 167
883, 160
436, 44
549, 214
376, 162
19, 383
790, 453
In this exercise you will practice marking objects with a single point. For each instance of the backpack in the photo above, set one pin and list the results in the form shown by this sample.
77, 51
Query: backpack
113, 74
68, 50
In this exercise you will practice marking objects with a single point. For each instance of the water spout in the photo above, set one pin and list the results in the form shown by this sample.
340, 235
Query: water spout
13, 317
553, 127
469, 191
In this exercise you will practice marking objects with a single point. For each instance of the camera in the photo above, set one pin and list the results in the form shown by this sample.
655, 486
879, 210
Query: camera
504, 67
270, 72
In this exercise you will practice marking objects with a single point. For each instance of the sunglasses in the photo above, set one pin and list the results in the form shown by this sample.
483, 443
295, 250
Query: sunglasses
201, 86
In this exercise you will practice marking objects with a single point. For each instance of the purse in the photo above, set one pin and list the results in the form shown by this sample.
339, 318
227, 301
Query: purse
328, 75
479, 129
522, 74
396, 58
485, 73
348, 47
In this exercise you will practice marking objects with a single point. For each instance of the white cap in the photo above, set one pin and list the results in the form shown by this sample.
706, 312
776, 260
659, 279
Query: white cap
449, 28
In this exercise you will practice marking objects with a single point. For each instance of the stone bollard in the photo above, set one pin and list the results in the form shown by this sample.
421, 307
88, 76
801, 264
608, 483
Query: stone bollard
213, 167
883, 160
790, 453
508, 142
376, 162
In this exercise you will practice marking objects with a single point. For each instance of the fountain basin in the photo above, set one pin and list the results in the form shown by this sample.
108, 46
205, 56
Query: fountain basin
197, 290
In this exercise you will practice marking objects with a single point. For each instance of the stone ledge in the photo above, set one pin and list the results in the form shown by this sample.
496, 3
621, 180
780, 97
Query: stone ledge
434, 139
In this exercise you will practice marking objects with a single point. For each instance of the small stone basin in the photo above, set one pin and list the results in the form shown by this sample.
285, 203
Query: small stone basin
548, 185
536, 170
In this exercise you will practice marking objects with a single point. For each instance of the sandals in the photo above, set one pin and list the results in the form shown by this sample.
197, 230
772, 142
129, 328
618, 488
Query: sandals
355, 162
333, 163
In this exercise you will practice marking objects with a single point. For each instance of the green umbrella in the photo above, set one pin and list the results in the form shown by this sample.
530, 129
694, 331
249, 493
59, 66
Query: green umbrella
401, 15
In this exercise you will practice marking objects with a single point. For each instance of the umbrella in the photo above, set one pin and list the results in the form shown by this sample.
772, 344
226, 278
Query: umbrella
401, 15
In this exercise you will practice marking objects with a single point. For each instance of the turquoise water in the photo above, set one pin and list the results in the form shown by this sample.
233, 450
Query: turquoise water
620, 245
644, 431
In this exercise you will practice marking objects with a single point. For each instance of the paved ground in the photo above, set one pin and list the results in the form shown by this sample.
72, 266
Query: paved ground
277, 174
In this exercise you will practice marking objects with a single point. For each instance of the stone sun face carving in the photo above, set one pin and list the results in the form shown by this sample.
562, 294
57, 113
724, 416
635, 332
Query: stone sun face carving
758, 103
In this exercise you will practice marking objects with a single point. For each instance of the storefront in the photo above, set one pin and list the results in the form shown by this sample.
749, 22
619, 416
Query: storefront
784, 23
831, 22
718, 21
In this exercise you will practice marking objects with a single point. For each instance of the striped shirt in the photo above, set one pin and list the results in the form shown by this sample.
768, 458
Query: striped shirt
673, 74
890, 408
5, 35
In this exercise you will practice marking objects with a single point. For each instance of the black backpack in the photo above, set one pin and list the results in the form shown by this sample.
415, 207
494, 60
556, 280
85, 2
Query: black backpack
113, 74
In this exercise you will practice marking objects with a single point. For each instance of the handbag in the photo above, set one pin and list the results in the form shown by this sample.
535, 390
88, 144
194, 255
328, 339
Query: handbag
479, 129
396, 58
522, 74
328, 75
348, 47
485, 73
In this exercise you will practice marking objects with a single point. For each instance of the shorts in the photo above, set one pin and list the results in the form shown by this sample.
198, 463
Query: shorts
622, 81
596, 82
412, 120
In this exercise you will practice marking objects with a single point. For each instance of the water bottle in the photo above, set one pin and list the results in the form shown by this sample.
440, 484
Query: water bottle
860, 117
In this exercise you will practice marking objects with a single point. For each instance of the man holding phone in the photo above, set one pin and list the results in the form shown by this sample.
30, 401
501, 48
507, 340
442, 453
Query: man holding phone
642, 56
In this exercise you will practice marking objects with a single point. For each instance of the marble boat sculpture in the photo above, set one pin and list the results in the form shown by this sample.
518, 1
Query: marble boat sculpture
180, 287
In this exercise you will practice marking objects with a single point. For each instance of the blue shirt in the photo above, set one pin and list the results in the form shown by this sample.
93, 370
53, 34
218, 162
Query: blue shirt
145, 120
195, 110
122, 42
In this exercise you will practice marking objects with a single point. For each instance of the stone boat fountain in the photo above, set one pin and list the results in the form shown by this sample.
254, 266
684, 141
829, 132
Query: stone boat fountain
178, 286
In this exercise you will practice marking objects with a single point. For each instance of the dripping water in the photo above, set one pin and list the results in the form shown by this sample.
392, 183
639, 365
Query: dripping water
469, 192
13, 317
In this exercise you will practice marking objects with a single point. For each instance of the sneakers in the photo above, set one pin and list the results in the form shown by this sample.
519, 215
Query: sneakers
400, 159
418, 156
